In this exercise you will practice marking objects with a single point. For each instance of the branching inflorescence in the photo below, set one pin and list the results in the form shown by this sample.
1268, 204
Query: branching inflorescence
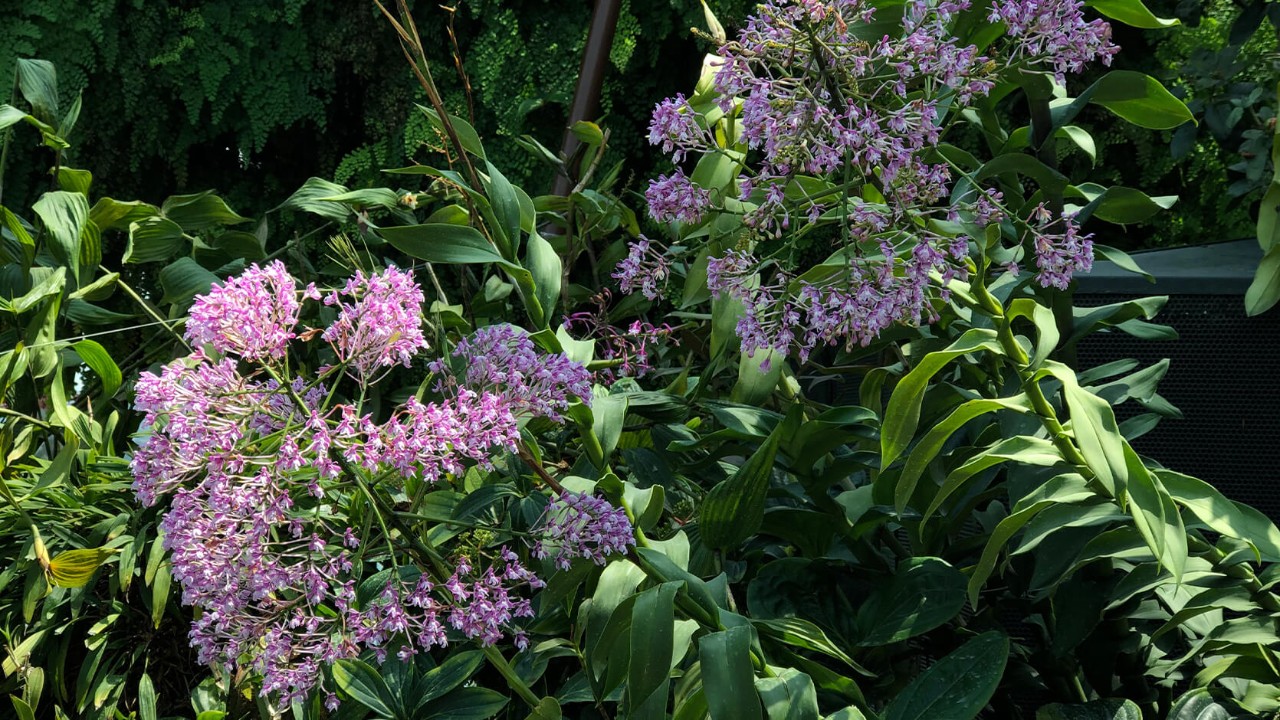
806, 92
260, 476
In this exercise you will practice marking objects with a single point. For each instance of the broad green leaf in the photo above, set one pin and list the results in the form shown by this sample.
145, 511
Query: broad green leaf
1020, 449
467, 134
802, 634
1093, 423
789, 695
1047, 178
956, 687
364, 684
727, 675
73, 568
1135, 97
1198, 705
1222, 515
1118, 204
933, 441
64, 215
73, 180
734, 509
146, 698
547, 709
160, 593
1081, 139
310, 198
652, 645
902, 415
545, 265
924, 594
1264, 291
758, 376
52, 283
38, 83
451, 673
1061, 490
21, 707
442, 243
183, 279
153, 239
111, 214
366, 198
468, 703
1131, 12
199, 211
1122, 260
1113, 709
506, 206
1156, 515
97, 357
26, 244
86, 313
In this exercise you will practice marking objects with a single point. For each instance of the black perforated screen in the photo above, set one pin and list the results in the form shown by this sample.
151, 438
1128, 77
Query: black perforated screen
1224, 376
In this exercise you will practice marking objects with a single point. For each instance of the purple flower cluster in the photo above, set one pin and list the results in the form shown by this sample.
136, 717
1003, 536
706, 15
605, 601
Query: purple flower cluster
851, 308
1060, 249
675, 197
582, 526
379, 321
675, 127
629, 348
252, 315
644, 269
503, 362
1055, 31
255, 474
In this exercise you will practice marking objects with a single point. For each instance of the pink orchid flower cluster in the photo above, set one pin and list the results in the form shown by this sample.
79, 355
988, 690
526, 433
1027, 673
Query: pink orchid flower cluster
810, 94
259, 468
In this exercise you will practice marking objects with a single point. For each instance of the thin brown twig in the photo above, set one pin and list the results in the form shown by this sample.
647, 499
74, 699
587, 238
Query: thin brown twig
527, 456
457, 62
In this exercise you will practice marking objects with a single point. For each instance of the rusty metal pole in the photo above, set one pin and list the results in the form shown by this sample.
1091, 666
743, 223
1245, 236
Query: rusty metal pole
586, 96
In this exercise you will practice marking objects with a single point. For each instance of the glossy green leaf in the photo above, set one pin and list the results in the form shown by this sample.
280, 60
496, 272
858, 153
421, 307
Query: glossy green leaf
1023, 449
1121, 260
1081, 138
111, 214
547, 709
652, 645
23, 710
73, 180
38, 83
923, 594
902, 414
146, 698
73, 568
1135, 97
365, 198
727, 675
734, 509
97, 357
310, 198
363, 684
1198, 705
64, 216
1156, 516
1264, 291
1131, 12
1093, 423
1021, 163
933, 441
467, 134
758, 376
1061, 490
200, 211
442, 243
1222, 515
183, 279
468, 703
956, 687
547, 269
1111, 709
790, 695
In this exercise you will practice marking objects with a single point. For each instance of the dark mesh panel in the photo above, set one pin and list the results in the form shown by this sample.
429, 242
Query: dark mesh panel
1224, 376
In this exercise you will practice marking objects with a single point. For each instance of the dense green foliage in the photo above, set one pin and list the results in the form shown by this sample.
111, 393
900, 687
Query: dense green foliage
253, 99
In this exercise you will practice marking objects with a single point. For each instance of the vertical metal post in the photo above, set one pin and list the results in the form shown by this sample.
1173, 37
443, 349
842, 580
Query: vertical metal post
586, 97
